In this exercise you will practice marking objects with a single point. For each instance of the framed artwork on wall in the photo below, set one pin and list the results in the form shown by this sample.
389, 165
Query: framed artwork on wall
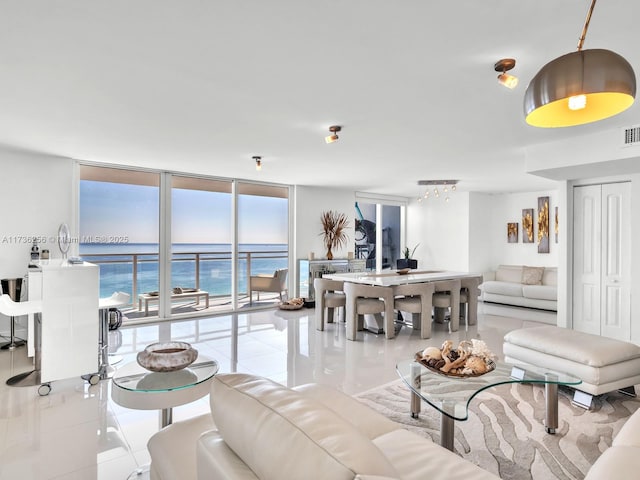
527, 225
512, 232
556, 222
543, 224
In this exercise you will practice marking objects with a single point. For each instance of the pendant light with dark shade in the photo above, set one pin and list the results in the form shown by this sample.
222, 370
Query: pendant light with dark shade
580, 87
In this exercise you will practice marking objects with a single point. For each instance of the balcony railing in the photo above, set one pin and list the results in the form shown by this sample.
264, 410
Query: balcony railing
137, 273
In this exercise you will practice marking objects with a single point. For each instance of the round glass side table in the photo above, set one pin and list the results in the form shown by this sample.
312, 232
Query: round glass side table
138, 388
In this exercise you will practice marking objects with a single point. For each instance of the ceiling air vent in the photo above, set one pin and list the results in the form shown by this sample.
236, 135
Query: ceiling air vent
632, 136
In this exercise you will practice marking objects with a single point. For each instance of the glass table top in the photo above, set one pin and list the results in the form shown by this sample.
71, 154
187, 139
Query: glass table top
135, 378
451, 395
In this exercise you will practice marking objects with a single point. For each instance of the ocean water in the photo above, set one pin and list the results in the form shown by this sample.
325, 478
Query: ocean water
116, 263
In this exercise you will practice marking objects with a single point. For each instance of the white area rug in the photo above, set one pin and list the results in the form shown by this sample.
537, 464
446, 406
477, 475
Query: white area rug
505, 434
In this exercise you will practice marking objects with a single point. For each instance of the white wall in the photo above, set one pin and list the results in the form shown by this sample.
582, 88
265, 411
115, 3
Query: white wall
469, 233
442, 230
309, 203
505, 208
36, 196
483, 256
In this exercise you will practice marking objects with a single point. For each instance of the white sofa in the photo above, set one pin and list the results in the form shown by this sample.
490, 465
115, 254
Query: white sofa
622, 459
522, 286
260, 429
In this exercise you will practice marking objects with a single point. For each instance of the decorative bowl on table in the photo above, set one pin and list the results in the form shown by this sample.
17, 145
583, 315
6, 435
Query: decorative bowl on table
167, 357
469, 359
403, 271
293, 304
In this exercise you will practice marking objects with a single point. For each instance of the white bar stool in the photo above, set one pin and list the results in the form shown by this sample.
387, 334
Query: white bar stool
13, 288
117, 299
14, 309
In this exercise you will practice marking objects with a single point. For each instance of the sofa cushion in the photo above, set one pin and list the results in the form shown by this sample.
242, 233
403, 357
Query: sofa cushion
509, 273
417, 459
368, 421
616, 462
628, 435
503, 288
173, 451
217, 460
540, 292
550, 276
280, 433
532, 275
582, 348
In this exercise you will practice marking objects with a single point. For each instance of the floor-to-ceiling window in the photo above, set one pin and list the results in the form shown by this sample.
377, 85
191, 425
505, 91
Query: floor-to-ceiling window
201, 239
263, 232
119, 218
211, 238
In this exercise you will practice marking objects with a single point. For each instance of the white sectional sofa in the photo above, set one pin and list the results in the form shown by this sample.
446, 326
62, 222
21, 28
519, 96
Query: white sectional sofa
262, 430
522, 286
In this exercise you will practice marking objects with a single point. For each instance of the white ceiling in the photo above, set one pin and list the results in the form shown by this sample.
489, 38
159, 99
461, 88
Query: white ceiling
201, 86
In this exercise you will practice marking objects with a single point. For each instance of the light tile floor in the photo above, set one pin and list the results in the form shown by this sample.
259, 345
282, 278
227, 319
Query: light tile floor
78, 433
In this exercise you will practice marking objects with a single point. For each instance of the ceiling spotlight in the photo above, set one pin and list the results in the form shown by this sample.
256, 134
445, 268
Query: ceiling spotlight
580, 87
258, 162
334, 129
504, 78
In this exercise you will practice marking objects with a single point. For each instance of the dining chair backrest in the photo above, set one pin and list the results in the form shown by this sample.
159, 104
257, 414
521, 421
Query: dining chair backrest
355, 293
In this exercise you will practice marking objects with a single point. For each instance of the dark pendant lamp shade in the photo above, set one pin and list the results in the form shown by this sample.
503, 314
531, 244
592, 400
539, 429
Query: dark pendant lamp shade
606, 79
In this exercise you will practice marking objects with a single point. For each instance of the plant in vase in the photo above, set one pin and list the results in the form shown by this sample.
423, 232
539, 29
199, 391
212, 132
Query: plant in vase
407, 261
334, 231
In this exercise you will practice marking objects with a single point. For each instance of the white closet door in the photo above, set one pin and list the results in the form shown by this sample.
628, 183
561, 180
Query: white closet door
587, 248
601, 254
616, 271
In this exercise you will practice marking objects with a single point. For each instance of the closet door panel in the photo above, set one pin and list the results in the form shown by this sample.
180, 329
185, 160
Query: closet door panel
586, 258
616, 244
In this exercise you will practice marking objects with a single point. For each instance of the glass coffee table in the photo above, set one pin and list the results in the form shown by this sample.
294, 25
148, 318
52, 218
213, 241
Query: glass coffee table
137, 388
451, 396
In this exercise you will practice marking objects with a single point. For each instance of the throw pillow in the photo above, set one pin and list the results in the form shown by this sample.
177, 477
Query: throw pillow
532, 275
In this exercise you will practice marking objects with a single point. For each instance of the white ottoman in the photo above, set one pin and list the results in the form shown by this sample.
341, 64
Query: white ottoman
603, 364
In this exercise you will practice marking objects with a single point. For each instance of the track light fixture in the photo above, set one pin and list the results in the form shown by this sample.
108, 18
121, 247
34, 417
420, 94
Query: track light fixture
334, 129
580, 87
504, 78
258, 162
441, 188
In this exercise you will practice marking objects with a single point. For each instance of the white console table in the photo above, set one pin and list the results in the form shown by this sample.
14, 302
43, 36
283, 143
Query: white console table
69, 320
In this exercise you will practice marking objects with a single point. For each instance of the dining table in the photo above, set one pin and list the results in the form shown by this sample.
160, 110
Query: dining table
392, 278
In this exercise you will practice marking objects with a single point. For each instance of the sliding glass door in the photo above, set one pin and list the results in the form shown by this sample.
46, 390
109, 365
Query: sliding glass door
119, 225
263, 232
211, 239
379, 232
201, 259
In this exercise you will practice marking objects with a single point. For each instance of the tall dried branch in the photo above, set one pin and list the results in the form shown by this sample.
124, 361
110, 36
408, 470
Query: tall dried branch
334, 229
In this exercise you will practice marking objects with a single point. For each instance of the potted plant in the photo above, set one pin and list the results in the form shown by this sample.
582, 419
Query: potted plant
334, 231
407, 261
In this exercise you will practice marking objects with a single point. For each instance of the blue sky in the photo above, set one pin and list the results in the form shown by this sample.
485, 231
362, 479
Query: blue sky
122, 210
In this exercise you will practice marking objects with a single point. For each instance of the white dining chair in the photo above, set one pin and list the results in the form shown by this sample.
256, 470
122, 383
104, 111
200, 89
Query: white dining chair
330, 296
416, 299
368, 300
447, 296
